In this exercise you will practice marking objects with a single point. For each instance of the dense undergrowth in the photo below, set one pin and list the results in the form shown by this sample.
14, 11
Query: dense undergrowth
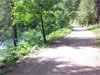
31, 42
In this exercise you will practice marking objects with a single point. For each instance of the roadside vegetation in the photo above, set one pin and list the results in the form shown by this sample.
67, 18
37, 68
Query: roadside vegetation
31, 43
40, 23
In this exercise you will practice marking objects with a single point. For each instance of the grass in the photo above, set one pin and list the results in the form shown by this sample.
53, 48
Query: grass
58, 34
95, 29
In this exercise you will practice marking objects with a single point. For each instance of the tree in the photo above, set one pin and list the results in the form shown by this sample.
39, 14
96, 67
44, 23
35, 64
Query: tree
71, 7
14, 26
43, 31
27, 11
87, 12
98, 10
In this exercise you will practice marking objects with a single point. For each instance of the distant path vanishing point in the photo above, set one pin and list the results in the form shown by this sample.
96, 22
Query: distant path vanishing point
76, 54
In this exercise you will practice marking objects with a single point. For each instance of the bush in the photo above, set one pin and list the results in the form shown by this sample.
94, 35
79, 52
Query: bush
11, 53
59, 33
33, 37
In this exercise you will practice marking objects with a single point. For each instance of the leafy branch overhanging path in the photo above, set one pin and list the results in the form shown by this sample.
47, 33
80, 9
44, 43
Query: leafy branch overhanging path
76, 54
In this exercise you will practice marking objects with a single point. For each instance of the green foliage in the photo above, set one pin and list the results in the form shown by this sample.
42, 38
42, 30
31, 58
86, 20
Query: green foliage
10, 55
25, 12
56, 15
59, 33
87, 12
33, 37
71, 7
5, 20
32, 42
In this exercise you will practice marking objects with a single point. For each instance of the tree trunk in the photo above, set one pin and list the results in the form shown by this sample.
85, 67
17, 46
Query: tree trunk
15, 35
14, 30
98, 11
42, 28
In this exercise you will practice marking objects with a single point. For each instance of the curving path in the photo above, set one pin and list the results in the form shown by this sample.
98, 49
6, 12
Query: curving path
76, 54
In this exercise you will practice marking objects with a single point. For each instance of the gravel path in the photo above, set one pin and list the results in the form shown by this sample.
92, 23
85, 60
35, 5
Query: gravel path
76, 54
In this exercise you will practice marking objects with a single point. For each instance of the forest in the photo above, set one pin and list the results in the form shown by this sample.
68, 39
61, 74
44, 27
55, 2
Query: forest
29, 25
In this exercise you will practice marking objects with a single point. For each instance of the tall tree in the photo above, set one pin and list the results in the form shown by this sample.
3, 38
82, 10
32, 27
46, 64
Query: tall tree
43, 31
14, 26
87, 12
27, 11
98, 10
71, 6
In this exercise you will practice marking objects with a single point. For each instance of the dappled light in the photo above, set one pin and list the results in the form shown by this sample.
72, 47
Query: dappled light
49, 37
43, 65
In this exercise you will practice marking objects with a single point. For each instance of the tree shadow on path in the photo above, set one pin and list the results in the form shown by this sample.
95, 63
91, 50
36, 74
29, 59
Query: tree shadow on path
77, 42
52, 66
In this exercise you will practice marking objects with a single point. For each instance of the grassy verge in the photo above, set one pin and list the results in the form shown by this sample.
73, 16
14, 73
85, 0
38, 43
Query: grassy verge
58, 34
95, 29
30, 44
